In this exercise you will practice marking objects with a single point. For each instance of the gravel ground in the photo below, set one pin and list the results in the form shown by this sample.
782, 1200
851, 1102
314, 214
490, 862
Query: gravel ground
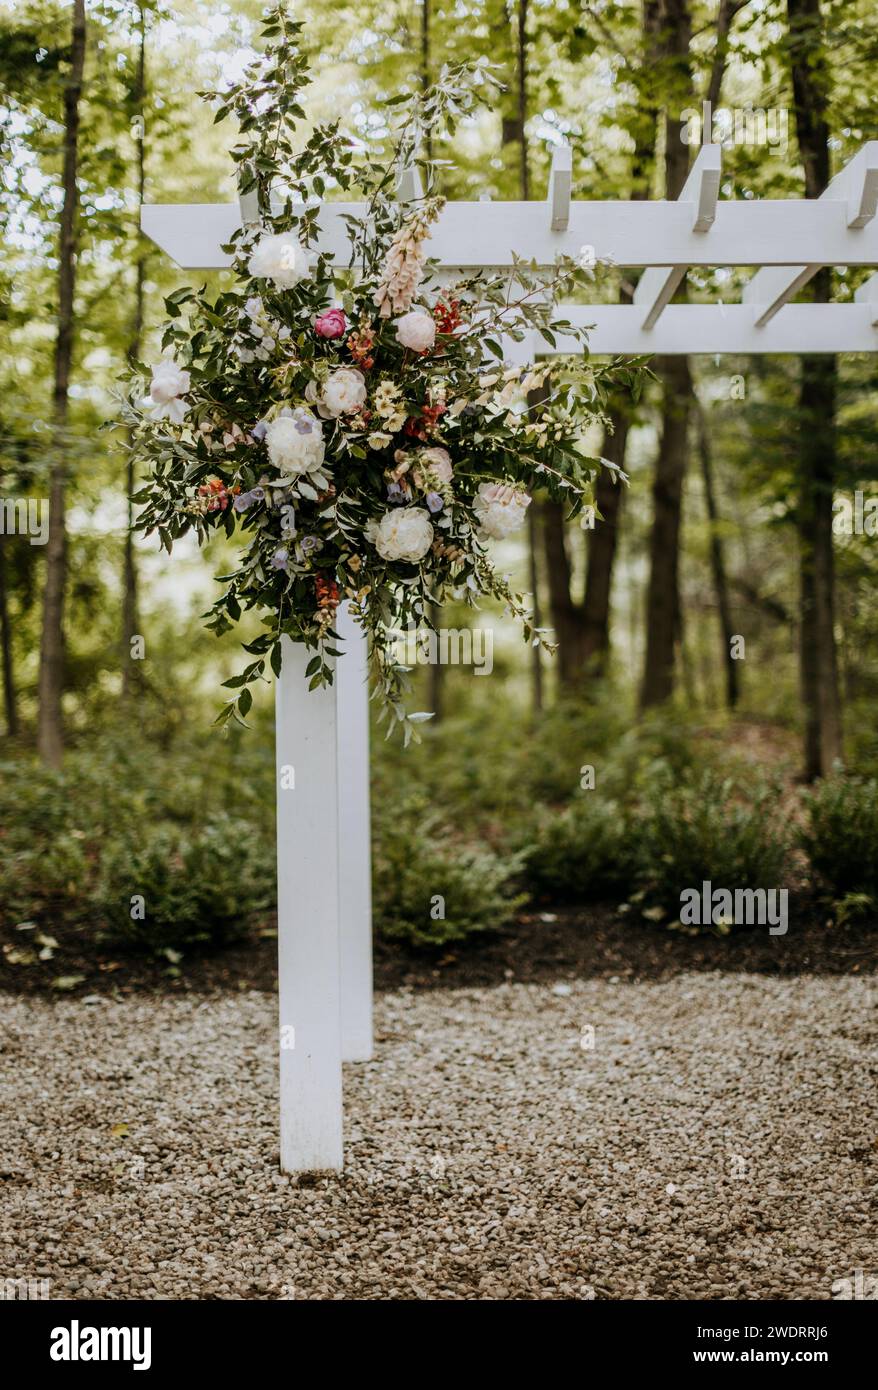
718, 1140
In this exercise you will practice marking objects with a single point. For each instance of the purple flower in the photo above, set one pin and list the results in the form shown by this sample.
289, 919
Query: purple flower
281, 559
259, 429
257, 494
396, 494
304, 425
310, 543
434, 502
243, 501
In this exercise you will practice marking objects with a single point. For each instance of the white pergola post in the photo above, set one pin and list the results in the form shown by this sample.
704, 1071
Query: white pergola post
308, 919
355, 859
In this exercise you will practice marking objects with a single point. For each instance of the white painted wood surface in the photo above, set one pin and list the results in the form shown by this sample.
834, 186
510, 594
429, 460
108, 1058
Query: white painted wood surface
700, 192
469, 235
308, 920
355, 858
712, 328
854, 190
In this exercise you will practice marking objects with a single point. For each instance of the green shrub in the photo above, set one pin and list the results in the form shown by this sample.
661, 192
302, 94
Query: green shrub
841, 839
183, 889
121, 821
710, 829
430, 890
585, 853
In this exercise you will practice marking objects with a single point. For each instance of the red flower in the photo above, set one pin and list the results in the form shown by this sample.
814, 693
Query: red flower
447, 316
327, 593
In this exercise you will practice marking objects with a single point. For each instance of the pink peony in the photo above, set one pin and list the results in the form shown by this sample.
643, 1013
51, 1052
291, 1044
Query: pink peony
331, 324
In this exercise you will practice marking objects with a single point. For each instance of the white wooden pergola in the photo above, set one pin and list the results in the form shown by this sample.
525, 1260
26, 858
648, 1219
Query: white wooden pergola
323, 848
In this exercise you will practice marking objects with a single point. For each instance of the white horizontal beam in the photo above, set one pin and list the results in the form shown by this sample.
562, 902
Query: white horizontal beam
700, 192
868, 294
855, 187
560, 186
725, 328
791, 232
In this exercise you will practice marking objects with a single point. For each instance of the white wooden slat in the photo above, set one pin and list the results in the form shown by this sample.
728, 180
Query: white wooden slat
656, 287
712, 328
868, 294
560, 186
409, 186
770, 232
853, 190
308, 920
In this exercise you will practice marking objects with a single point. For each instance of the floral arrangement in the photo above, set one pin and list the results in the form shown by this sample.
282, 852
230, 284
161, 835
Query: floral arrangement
356, 424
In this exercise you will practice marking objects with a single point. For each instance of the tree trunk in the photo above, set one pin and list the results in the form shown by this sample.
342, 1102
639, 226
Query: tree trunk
817, 650
50, 737
521, 74
425, 64
663, 595
129, 580
811, 81
533, 540
10, 699
514, 131
663, 616
588, 625
717, 561
602, 544
566, 614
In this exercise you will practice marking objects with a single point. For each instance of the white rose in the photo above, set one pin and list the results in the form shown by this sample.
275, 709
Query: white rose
281, 259
168, 383
343, 391
416, 330
295, 442
501, 509
405, 533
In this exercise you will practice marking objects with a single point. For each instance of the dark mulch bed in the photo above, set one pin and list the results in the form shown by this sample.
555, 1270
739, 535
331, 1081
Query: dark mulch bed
572, 943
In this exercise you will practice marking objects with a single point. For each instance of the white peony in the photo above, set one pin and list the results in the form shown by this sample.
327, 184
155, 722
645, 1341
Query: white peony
295, 442
501, 509
343, 391
416, 330
168, 383
405, 533
281, 259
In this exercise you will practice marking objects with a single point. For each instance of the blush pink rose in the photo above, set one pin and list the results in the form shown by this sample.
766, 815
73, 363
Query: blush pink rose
331, 324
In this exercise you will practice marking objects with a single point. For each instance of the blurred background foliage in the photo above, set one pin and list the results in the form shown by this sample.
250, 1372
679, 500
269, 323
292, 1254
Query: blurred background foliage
149, 799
